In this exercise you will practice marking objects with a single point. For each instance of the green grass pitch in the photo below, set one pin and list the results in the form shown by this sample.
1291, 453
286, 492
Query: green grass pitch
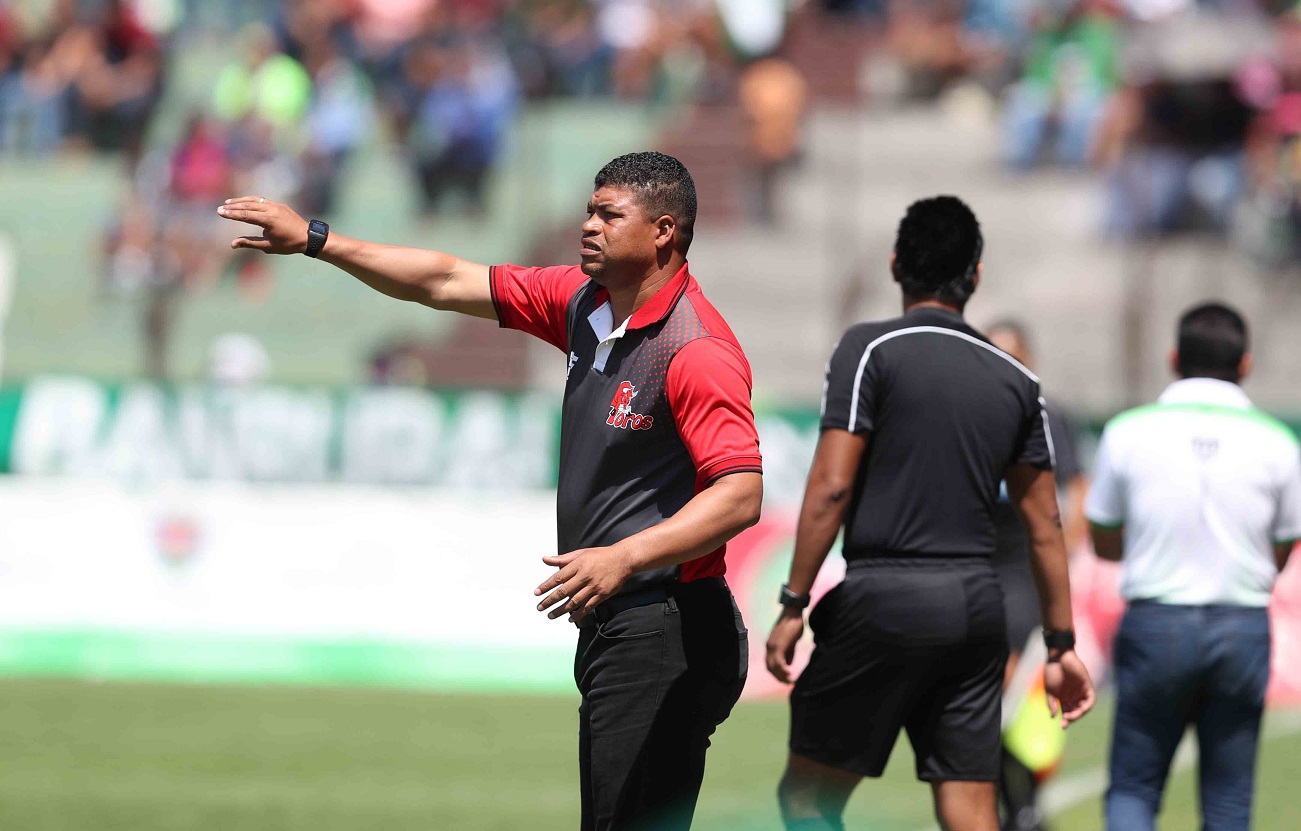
77, 755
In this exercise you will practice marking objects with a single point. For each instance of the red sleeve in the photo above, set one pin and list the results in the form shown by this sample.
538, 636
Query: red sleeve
535, 300
709, 393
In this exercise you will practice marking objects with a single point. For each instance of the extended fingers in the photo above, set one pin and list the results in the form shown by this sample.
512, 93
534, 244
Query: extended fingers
552, 599
246, 212
577, 605
554, 580
257, 243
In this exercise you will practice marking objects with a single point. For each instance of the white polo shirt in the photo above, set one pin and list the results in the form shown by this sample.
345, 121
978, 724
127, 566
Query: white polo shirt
1204, 485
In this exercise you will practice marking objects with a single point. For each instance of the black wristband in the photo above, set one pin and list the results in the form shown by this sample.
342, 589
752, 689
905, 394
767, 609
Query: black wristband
317, 233
1062, 640
791, 600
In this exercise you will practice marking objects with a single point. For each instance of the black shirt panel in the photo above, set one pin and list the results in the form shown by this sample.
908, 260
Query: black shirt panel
1013, 544
623, 466
947, 414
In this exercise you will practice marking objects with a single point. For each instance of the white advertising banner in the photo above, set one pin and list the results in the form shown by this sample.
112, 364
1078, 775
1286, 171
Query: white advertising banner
244, 578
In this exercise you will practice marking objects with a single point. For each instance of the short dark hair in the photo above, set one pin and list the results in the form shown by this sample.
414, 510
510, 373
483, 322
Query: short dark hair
1212, 342
662, 184
937, 250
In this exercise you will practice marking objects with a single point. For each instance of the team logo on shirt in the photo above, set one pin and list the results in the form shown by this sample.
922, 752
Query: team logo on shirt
621, 414
1205, 447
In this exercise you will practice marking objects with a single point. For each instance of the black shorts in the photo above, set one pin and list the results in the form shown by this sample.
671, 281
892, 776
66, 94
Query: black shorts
918, 644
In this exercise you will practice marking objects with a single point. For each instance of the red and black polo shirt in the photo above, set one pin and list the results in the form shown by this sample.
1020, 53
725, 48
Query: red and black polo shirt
655, 410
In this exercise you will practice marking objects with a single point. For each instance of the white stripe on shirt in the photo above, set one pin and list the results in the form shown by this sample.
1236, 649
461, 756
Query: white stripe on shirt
939, 330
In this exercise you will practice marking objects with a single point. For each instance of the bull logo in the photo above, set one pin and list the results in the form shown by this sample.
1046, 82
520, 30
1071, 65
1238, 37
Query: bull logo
621, 414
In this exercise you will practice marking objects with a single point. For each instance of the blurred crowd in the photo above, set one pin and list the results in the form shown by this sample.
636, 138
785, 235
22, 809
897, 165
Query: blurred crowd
1187, 111
303, 85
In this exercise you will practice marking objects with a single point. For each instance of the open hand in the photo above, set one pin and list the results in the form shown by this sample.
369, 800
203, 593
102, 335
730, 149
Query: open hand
586, 577
781, 643
283, 230
1069, 688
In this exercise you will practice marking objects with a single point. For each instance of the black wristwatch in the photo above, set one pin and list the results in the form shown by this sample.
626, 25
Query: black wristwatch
1058, 641
317, 233
791, 600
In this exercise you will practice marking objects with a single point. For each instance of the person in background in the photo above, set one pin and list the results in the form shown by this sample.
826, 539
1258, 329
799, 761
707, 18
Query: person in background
337, 121
118, 92
1070, 72
1013, 337
265, 83
922, 419
1175, 133
32, 90
1199, 497
1019, 781
773, 96
463, 99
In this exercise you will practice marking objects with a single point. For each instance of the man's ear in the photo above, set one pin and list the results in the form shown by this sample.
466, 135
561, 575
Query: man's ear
980, 269
1174, 363
664, 228
1244, 366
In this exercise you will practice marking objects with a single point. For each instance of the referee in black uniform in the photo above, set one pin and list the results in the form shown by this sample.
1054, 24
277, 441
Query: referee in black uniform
659, 468
922, 419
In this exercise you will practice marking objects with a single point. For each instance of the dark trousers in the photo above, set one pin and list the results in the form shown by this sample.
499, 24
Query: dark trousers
1207, 666
656, 681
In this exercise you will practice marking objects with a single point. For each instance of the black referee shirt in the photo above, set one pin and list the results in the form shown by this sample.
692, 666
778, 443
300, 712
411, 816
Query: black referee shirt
947, 413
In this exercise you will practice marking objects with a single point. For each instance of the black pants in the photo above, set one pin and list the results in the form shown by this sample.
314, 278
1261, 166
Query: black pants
656, 681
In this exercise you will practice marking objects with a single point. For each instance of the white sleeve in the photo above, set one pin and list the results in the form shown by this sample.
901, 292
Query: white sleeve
1287, 516
1105, 505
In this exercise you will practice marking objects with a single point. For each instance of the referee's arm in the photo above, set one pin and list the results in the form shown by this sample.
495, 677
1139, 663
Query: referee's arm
432, 278
1034, 494
822, 514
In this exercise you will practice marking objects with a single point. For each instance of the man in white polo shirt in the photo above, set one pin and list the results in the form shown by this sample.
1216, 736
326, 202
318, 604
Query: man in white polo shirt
1201, 494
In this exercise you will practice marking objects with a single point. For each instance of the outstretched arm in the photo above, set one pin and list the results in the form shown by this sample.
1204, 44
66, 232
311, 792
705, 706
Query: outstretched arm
432, 278
826, 497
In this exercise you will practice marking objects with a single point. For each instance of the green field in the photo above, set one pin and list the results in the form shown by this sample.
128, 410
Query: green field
77, 755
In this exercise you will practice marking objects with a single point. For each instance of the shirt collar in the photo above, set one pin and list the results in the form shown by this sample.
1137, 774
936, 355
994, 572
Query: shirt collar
942, 314
660, 303
1205, 391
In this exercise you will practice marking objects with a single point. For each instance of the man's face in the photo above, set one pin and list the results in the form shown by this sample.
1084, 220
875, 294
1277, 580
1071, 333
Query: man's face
619, 239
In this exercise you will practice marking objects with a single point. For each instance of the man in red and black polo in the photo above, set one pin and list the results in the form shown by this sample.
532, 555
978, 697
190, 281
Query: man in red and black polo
659, 468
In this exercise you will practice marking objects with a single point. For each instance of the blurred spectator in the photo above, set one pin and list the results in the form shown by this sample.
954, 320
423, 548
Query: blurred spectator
265, 84
120, 80
773, 97
337, 121
200, 168
558, 49
1176, 133
1070, 71
462, 99
143, 256
32, 90
95, 78
931, 41
1268, 225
